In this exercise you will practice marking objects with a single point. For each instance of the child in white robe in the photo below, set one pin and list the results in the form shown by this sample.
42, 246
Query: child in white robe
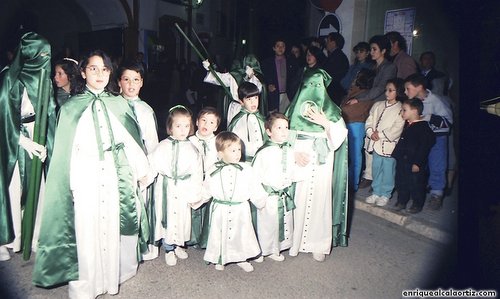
232, 184
204, 140
178, 186
248, 124
130, 80
275, 165
235, 77
91, 192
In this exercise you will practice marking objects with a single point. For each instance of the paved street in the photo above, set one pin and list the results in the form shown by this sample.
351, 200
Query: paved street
382, 259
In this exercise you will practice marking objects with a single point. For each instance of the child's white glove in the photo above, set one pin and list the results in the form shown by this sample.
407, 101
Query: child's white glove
206, 64
33, 148
249, 71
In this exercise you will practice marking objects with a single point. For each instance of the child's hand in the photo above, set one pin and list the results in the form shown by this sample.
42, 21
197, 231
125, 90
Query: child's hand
271, 87
374, 136
302, 159
352, 102
287, 182
415, 168
249, 71
206, 64
196, 205
144, 182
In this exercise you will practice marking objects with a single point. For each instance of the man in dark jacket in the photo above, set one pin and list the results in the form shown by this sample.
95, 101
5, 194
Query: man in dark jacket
278, 73
336, 65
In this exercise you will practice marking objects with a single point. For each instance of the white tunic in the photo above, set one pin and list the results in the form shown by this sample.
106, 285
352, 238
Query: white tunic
248, 129
313, 197
232, 236
268, 165
146, 120
228, 80
179, 194
105, 258
208, 153
147, 123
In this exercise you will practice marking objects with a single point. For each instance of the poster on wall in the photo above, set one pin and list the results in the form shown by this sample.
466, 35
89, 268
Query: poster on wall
402, 21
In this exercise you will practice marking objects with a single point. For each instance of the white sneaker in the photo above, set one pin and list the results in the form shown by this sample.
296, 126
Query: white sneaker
170, 258
219, 267
246, 266
319, 257
151, 254
4, 254
277, 257
180, 253
293, 252
260, 259
382, 201
371, 199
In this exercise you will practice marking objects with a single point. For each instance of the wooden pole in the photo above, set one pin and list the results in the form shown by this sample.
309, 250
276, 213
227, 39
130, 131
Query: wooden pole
39, 136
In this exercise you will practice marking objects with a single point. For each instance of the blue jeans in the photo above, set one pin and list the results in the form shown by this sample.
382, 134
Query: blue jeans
355, 137
167, 247
383, 172
438, 164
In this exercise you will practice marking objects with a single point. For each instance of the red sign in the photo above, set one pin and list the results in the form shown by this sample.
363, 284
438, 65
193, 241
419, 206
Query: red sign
328, 5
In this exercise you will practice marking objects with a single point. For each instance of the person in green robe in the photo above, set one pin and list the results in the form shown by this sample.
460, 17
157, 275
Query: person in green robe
20, 100
246, 71
320, 140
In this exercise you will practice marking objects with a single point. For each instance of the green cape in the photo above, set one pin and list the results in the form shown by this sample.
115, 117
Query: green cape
33, 56
56, 259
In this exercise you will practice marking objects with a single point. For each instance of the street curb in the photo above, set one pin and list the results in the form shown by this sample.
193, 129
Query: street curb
420, 227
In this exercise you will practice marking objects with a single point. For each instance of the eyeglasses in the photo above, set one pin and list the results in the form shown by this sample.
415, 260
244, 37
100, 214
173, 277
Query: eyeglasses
93, 69
131, 80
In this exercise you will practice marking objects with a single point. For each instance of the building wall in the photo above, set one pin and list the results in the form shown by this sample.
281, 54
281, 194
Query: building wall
436, 21
437, 25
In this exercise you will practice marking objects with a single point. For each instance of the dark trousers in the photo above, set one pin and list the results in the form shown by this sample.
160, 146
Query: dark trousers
410, 184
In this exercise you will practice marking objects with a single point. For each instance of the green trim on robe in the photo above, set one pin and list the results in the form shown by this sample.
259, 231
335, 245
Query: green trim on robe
32, 56
240, 115
313, 89
56, 259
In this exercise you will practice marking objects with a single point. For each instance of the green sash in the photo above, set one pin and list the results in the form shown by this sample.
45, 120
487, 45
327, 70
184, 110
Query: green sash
244, 113
285, 203
56, 260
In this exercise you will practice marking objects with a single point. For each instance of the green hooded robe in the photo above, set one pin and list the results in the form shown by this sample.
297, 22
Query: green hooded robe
32, 57
312, 92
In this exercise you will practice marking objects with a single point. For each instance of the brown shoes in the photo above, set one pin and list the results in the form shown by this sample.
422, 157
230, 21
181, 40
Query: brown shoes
364, 183
436, 202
